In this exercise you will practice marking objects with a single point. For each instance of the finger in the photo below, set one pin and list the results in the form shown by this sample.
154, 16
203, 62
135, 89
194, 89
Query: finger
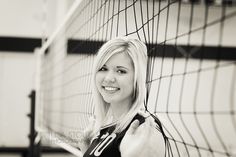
143, 113
133, 127
151, 121
153, 125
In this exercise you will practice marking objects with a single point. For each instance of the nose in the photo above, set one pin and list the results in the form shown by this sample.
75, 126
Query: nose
110, 77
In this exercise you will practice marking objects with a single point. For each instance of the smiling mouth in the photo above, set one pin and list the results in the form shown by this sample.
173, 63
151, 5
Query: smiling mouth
110, 89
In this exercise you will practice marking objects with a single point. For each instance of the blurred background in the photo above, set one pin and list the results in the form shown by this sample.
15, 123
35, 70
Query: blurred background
21, 31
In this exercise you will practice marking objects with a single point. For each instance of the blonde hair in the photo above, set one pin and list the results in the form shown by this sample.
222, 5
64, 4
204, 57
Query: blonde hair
138, 53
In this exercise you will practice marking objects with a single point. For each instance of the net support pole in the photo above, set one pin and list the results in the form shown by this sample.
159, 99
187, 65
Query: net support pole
31, 115
37, 87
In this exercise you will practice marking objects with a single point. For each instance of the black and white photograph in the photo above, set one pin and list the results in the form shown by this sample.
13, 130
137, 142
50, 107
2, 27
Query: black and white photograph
118, 78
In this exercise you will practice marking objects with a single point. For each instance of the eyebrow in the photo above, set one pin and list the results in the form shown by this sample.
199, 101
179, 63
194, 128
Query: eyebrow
119, 66
122, 67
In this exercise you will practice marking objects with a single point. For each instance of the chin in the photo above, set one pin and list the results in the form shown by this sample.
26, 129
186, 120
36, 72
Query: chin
109, 101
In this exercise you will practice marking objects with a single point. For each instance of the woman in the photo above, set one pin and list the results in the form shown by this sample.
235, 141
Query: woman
120, 129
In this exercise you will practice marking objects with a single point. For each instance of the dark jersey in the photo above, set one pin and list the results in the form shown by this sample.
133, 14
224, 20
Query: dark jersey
107, 143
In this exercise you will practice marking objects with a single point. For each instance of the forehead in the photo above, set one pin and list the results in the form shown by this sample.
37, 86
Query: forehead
120, 59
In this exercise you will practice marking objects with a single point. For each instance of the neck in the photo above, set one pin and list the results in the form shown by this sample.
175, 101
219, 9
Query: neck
119, 109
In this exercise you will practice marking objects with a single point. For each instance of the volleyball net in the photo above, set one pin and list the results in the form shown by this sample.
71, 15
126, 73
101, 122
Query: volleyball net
191, 70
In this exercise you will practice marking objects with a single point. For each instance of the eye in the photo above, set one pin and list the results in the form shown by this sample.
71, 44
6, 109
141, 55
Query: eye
122, 71
103, 69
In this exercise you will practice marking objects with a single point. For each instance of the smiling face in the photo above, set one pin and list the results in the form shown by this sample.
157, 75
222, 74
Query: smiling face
115, 79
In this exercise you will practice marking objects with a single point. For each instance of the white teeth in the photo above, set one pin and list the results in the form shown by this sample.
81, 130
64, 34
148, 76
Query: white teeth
110, 88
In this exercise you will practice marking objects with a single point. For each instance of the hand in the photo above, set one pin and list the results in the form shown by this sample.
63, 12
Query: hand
142, 140
87, 135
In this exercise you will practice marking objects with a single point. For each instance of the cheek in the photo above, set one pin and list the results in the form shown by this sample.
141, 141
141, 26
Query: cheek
129, 83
